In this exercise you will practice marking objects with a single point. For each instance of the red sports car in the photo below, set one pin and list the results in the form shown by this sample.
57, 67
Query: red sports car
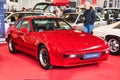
54, 42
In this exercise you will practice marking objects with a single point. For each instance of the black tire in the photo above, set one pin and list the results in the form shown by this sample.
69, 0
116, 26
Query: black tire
44, 58
114, 44
11, 46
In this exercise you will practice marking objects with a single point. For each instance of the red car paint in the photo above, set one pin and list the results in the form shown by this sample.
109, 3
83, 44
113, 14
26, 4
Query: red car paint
58, 43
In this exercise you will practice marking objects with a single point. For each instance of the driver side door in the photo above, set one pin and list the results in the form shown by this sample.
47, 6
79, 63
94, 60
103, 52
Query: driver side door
26, 37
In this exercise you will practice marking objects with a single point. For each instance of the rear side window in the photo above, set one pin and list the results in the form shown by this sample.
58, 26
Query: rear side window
18, 24
25, 24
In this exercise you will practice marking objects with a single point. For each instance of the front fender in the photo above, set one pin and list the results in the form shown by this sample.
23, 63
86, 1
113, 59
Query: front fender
55, 54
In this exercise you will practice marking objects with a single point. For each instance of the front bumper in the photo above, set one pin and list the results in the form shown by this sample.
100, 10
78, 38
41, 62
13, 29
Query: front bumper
67, 62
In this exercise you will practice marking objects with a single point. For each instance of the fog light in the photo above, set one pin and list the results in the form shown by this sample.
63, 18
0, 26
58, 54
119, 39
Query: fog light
65, 56
106, 52
72, 56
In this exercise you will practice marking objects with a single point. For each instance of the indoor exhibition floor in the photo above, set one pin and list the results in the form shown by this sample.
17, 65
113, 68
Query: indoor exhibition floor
24, 67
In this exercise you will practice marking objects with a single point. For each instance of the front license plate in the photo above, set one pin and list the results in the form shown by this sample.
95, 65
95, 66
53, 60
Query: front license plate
91, 55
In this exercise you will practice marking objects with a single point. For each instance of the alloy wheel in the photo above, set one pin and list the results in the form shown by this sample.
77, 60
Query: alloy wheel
114, 45
43, 57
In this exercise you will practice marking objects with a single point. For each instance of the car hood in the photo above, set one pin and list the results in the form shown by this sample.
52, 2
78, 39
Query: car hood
71, 40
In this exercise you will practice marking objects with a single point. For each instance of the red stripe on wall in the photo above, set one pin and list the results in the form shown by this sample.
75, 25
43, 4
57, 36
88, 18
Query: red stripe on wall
60, 2
82, 1
94, 2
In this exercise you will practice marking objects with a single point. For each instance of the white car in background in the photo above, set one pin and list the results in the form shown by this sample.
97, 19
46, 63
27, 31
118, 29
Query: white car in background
7, 14
12, 17
76, 19
111, 33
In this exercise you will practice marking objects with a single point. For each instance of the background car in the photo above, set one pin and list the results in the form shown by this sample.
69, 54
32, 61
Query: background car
13, 17
111, 33
111, 12
7, 14
48, 7
42, 7
76, 19
54, 42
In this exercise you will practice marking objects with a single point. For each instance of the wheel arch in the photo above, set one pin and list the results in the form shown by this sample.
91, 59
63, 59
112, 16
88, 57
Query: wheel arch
7, 39
111, 36
40, 44
115, 52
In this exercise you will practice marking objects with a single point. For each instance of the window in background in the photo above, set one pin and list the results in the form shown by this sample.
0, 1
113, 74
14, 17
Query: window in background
14, 0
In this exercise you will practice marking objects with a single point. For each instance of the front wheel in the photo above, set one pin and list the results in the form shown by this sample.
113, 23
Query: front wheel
11, 46
114, 44
44, 57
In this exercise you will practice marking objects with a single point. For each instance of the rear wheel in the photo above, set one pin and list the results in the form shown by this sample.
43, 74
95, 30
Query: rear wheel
44, 57
11, 46
114, 44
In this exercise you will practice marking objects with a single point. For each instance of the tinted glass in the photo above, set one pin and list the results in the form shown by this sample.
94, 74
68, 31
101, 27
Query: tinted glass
40, 7
49, 24
25, 24
18, 24
71, 18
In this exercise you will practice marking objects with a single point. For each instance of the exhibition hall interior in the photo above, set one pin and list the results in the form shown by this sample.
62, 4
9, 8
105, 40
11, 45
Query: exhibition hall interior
59, 39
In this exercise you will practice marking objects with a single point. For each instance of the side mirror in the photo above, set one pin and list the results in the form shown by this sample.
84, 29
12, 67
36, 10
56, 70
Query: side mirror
74, 27
25, 30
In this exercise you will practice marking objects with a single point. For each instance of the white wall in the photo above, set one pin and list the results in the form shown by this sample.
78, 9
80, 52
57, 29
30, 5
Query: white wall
11, 5
28, 3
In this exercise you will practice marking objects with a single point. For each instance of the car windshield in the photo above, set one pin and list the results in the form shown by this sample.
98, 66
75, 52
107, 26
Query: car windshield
71, 18
50, 24
40, 7
44, 6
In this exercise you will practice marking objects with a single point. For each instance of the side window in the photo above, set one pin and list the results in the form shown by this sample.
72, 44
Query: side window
18, 24
25, 24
